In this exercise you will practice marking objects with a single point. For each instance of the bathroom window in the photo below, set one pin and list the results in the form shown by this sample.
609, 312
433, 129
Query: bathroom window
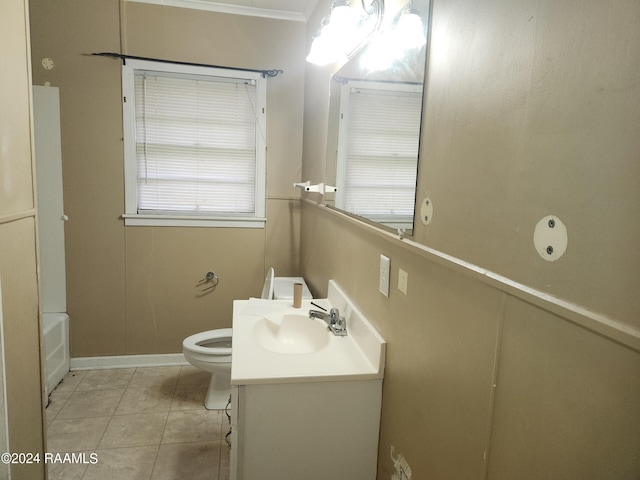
194, 140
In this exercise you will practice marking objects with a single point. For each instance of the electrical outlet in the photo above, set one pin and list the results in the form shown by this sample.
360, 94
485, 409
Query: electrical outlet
403, 280
385, 269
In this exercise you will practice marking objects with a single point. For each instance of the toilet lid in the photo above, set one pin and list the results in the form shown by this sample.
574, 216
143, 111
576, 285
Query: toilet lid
267, 289
193, 342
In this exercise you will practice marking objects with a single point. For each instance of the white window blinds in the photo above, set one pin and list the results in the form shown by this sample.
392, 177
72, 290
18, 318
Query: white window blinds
378, 151
195, 144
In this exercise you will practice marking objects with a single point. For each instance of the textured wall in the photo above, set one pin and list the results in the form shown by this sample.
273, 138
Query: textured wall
531, 110
500, 364
18, 262
132, 290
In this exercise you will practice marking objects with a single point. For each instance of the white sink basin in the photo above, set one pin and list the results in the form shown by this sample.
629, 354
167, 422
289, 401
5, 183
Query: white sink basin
273, 342
295, 334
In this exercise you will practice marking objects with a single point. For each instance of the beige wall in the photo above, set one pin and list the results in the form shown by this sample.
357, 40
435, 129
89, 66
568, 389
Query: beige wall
18, 271
564, 403
530, 111
132, 290
500, 364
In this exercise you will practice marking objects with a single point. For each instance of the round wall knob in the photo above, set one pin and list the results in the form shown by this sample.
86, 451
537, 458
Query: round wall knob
550, 238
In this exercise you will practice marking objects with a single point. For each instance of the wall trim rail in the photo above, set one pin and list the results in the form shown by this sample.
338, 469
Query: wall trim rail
600, 324
17, 216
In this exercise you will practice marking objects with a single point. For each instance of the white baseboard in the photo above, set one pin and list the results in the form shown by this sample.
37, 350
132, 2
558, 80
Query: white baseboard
127, 361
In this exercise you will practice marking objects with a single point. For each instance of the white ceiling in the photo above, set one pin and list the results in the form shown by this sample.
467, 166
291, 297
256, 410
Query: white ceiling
296, 10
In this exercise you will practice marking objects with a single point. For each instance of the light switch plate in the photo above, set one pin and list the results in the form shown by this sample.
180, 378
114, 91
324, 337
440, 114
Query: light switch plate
385, 269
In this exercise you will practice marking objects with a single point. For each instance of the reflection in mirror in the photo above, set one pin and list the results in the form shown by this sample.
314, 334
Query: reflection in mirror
378, 151
374, 125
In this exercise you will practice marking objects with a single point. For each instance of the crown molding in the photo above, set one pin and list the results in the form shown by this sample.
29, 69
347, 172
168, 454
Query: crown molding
213, 6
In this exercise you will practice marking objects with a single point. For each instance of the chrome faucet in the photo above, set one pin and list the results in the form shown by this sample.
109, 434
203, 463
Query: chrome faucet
337, 324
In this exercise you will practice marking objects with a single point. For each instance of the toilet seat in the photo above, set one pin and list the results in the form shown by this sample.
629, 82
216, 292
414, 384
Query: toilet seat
194, 342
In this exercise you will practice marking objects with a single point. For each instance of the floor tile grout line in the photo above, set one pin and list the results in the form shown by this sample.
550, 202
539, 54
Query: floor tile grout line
124, 391
59, 410
113, 415
133, 374
110, 418
220, 438
155, 461
102, 436
164, 428
120, 447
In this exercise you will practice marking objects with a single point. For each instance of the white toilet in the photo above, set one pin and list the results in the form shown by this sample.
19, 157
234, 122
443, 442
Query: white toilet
211, 350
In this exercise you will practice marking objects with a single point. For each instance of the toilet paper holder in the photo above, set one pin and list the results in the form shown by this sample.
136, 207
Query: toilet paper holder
209, 277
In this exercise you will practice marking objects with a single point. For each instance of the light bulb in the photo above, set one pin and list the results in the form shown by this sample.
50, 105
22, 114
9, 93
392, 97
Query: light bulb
379, 54
343, 27
321, 51
410, 30
343, 17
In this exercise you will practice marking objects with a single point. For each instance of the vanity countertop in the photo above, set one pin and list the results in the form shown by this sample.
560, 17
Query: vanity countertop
356, 356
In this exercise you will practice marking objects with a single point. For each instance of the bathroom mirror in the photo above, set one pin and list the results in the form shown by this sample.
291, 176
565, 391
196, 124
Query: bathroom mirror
375, 106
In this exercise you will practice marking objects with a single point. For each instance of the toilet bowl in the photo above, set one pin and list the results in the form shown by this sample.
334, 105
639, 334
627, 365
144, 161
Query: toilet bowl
211, 350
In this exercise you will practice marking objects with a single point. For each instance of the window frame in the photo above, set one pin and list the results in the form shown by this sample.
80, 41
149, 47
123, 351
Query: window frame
393, 221
131, 216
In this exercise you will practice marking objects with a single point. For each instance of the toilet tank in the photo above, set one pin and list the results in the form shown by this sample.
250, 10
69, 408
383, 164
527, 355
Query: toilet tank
283, 288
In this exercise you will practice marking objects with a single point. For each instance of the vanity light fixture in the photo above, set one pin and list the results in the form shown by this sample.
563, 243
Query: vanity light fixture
405, 34
344, 32
409, 27
323, 48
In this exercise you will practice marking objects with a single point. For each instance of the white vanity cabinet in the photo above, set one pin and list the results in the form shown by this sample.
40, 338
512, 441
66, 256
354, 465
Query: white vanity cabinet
305, 402
310, 431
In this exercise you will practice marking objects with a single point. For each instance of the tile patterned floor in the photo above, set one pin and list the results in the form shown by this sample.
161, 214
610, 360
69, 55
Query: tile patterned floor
143, 424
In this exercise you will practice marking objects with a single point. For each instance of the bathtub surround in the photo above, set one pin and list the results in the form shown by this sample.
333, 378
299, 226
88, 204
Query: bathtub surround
51, 218
55, 335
